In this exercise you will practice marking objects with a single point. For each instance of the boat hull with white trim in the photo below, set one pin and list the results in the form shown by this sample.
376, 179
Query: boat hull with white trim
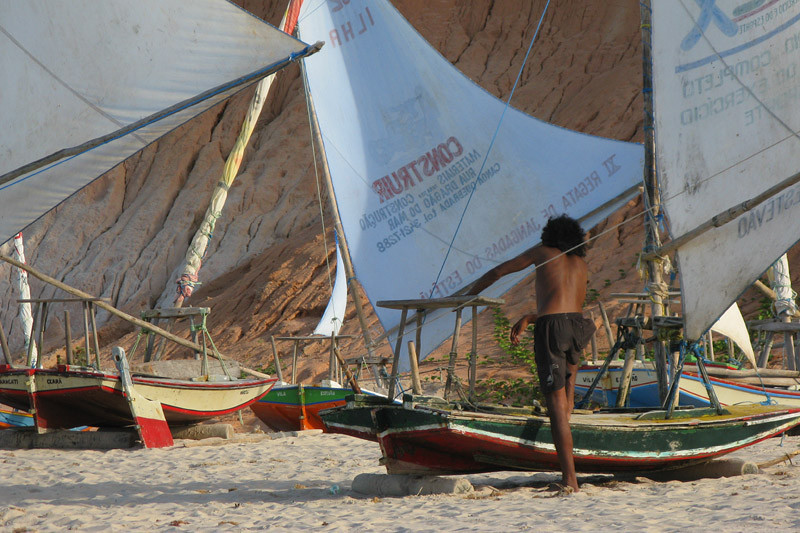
644, 389
430, 436
67, 397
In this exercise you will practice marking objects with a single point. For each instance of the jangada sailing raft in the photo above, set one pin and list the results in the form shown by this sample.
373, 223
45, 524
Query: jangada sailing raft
383, 96
154, 65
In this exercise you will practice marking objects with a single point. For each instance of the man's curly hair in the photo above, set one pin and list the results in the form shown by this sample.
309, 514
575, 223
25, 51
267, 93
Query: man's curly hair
565, 233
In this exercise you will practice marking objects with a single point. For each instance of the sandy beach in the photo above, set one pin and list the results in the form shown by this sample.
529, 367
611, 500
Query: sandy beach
294, 482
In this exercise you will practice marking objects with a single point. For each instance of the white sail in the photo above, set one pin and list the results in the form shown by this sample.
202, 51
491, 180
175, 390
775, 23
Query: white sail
406, 135
331, 321
731, 324
726, 110
88, 71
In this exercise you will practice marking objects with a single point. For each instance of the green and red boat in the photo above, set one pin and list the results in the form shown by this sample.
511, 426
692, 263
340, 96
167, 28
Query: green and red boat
432, 437
293, 407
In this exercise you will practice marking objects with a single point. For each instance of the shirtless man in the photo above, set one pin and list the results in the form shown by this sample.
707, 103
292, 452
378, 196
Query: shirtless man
561, 331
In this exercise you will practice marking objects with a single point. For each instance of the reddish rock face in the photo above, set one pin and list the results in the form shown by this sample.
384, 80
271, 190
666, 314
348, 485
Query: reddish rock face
266, 272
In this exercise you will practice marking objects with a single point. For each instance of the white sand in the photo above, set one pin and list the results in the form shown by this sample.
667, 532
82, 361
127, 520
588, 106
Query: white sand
286, 484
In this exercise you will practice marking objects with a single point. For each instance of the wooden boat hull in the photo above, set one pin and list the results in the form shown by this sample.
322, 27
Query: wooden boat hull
416, 438
290, 407
66, 398
644, 389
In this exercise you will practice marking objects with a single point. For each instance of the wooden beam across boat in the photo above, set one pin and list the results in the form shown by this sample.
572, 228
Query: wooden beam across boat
452, 302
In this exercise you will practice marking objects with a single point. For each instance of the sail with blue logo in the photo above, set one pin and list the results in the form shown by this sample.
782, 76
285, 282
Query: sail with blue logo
727, 113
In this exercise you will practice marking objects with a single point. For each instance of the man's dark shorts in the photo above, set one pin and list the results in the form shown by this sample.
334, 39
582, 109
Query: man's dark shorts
558, 341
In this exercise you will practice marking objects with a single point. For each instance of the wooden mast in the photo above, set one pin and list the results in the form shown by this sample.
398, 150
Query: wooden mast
652, 197
337, 221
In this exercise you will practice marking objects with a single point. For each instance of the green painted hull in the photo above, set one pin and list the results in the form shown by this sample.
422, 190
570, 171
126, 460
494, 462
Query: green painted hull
425, 436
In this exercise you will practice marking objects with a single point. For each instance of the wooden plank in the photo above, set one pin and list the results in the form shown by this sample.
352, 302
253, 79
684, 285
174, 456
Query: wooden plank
175, 312
63, 300
316, 337
148, 414
776, 326
441, 303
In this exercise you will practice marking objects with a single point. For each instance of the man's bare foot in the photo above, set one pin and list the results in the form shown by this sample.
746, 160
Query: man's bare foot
561, 489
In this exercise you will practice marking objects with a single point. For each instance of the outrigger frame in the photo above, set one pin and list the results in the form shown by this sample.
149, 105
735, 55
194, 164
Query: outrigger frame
629, 338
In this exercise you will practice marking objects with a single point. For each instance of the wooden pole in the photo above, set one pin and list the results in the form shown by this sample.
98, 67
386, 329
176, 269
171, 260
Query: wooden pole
350, 377
763, 358
594, 342
416, 386
473, 356
418, 345
625, 379
4, 346
277, 359
95, 341
397, 348
68, 334
332, 360
451, 366
652, 198
42, 326
606, 324
294, 361
86, 343
346, 258
788, 351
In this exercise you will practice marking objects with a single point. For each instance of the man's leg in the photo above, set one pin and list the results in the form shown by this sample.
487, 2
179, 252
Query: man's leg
569, 388
557, 407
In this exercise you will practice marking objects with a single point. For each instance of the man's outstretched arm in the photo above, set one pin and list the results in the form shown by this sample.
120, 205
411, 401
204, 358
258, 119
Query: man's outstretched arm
529, 257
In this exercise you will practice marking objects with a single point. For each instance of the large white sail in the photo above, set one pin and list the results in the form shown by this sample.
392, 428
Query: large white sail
726, 109
406, 134
83, 70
